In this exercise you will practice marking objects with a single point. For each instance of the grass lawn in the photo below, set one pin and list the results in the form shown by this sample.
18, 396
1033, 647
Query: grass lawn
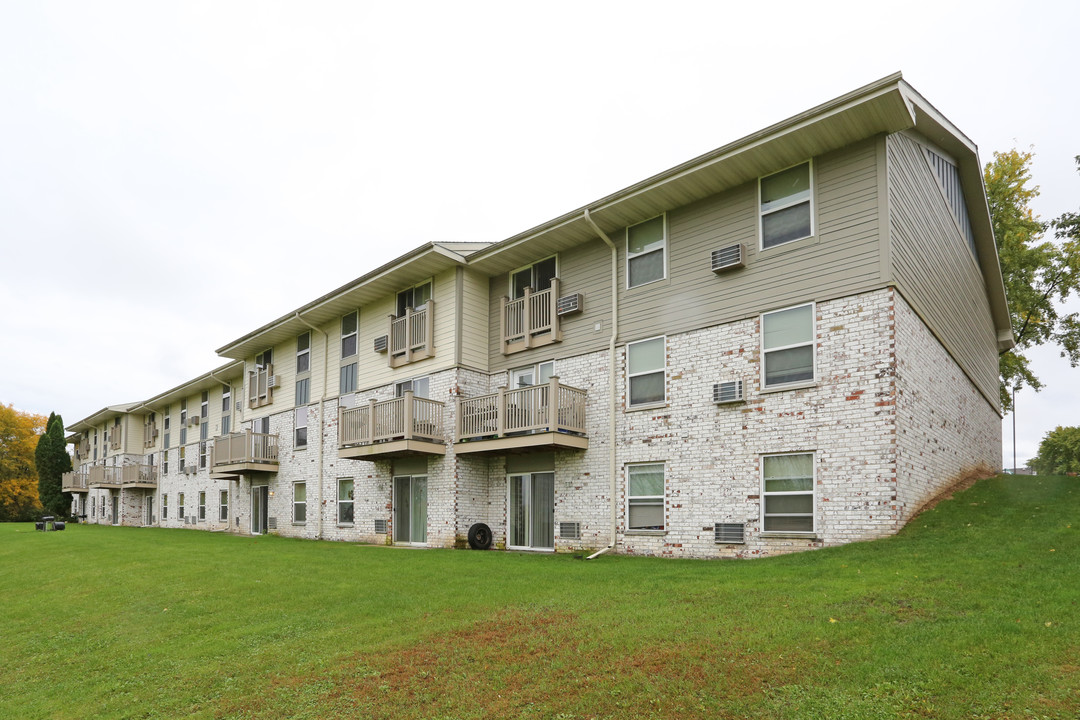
971, 612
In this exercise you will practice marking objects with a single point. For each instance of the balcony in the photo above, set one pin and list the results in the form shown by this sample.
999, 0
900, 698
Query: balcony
393, 428
144, 476
150, 434
105, 476
531, 320
115, 439
412, 336
75, 481
242, 452
540, 417
261, 384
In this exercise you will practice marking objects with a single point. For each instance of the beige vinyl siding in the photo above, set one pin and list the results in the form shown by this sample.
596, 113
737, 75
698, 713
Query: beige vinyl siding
584, 269
842, 258
934, 269
475, 319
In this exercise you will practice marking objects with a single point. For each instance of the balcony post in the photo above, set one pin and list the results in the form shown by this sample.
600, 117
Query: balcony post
429, 328
408, 414
408, 334
553, 404
526, 319
502, 322
556, 330
457, 419
500, 412
370, 437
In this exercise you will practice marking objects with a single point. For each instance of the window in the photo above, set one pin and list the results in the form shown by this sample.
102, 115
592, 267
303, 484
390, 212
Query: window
165, 459
345, 501
531, 375
203, 445
786, 206
303, 391
264, 359
787, 343
537, 276
182, 453
645, 245
183, 413
202, 505
204, 405
226, 424
223, 506
164, 506
300, 439
415, 297
348, 334
226, 399
180, 502
299, 503
645, 497
303, 353
419, 387
348, 378
168, 424
645, 362
788, 490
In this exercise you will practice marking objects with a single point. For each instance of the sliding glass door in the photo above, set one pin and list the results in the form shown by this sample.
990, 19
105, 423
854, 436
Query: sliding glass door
531, 511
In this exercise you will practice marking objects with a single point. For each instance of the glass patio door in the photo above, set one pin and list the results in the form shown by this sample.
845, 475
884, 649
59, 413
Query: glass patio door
532, 511
410, 509
259, 515
149, 520
115, 510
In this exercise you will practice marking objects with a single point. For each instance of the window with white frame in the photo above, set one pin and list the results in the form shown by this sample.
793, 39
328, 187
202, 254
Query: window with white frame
223, 505
645, 496
788, 492
348, 334
164, 506
786, 206
226, 399
264, 359
530, 375
419, 386
226, 424
787, 345
347, 383
537, 276
303, 353
182, 452
299, 503
415, 297
202, 505
646, 246
646, 361
204, 406
180, 504
167, 425
301, 427
204, 451
303, 391
345, 501
165, 461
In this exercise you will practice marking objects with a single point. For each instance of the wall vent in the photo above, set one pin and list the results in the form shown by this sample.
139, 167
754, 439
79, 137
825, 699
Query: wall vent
570, 304
729, 534
728, 392
271, 523
382, 343
273, 381
380, 526
727, 258
570, 530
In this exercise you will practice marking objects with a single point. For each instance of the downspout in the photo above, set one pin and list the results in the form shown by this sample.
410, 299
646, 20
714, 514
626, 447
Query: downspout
322, 418
612, 460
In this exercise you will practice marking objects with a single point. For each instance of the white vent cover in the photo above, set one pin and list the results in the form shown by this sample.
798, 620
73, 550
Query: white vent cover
273, 381
570, 304
729, 534
570, 530
727, 392
382, 343
380, 526
727, 258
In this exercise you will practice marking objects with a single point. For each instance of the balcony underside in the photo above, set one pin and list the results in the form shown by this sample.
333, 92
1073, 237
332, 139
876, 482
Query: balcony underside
523, 443
147, 485
227, 472
106, 485
75, 489
391, 449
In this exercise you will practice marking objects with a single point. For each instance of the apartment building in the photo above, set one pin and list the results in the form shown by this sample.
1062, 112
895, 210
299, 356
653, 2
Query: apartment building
786, 343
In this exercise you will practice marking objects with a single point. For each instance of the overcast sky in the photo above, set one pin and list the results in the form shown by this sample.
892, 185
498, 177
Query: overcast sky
163, 164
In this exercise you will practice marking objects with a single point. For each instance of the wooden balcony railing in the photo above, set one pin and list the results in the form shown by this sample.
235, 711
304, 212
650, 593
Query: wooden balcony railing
261, 383
245, 447
107, 475
412, 336
522, 410
75, 480
531, 320
115, 439
138, 475
150, 433
403, 418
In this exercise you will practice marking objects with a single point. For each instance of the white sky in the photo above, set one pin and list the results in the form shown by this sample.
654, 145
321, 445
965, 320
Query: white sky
161, 164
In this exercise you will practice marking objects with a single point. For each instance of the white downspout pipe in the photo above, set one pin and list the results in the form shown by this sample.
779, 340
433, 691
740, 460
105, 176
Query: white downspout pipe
322, 418
612, 459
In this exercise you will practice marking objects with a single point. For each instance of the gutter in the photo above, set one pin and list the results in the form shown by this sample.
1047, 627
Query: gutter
612, 460
322, 418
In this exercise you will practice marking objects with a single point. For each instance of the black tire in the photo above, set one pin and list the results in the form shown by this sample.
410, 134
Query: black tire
480, 537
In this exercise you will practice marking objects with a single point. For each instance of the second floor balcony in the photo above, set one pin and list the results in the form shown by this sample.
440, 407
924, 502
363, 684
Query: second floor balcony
392, 428
75, 481
242, 452
145, 476
540, 417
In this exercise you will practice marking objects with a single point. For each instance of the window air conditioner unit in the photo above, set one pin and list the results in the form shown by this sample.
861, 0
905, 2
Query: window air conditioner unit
273, 381
728, 392
154, 434
570, 304
380, 526
570, 530
239, 405
728, 258
382, 343
729, 534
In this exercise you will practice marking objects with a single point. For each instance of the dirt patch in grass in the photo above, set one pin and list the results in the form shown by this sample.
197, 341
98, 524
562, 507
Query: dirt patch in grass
961, 482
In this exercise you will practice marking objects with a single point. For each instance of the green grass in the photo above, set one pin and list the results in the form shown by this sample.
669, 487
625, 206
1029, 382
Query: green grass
971, 612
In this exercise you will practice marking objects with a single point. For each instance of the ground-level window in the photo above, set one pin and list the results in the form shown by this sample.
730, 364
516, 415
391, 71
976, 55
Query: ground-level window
787, 344
202, 505
299, 502
164, 506
223, 505
645, 364
788, 492
180, 502
345, 501
645, 496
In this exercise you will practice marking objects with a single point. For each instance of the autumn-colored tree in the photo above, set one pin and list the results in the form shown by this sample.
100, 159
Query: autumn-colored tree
1039, 274
1059, 452
19, 433
52, 461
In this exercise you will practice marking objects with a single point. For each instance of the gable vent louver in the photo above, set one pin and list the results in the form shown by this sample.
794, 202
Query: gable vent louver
728, 258
729, 534
569, 304
728, 392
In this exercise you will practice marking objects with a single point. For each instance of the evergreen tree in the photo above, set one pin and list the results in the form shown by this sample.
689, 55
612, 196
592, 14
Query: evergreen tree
52, 460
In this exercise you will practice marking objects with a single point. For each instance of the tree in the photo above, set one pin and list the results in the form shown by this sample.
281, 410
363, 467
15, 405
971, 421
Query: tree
1038, 274
1059, 452
52, 461
19, 432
